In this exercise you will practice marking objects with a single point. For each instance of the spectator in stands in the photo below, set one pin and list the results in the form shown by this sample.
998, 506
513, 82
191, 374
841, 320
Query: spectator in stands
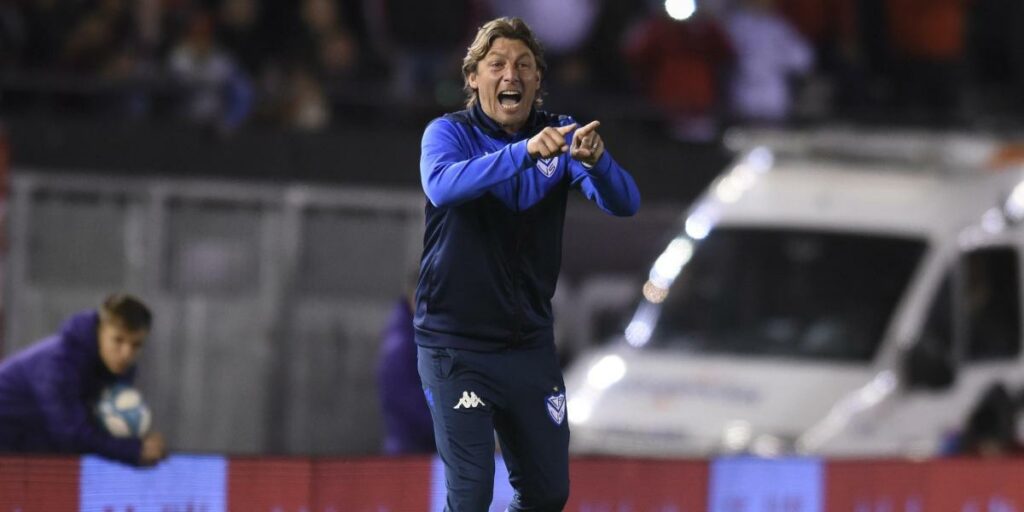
853, 53
679, 64
48, 390
112, 44
305, 106
604, 54
325, 41
769, 53
927, 38
238, 28
424, 42
829, 28
872, 52
995, 50
408, 427
47, 25
320, 54
219, 95
811, 18
98, 38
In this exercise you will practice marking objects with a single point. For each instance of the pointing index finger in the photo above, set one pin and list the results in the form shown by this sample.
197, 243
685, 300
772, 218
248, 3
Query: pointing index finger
566, 129
588, 128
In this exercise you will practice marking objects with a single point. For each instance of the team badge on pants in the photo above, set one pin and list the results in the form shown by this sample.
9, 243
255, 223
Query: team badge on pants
556, 407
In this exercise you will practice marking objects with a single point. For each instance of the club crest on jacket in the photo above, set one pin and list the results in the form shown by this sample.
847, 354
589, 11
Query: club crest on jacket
547, 166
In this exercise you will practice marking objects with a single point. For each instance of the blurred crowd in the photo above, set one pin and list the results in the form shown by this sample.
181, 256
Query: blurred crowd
692, 65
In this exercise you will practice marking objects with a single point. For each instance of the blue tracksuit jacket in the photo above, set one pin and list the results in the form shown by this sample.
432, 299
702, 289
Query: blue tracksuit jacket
493, 242
47, 392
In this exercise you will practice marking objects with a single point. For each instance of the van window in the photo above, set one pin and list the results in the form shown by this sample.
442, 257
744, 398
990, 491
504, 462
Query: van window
787, 293
992, 304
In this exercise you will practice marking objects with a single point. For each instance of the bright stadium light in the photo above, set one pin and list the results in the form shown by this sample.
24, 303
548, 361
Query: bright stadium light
579, 410
699, 223
638, 333
671, 262
1014, 206
680, 10
609, 370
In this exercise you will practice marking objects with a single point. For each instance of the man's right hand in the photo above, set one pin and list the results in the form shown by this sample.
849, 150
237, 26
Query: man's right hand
549, 142
154, 449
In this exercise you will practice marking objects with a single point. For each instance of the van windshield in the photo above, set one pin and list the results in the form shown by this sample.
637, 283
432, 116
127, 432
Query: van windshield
787, 293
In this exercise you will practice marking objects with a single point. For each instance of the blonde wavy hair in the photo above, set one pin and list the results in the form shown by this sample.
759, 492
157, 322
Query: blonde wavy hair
509, 28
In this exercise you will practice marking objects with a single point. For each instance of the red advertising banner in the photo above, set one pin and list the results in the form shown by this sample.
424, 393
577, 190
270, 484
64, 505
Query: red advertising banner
637, 485
949, 485
877, 485
28, 484
270, 485
976, 485
371, 485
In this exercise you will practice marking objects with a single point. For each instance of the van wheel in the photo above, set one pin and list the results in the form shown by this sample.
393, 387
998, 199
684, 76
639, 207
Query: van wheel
991, 427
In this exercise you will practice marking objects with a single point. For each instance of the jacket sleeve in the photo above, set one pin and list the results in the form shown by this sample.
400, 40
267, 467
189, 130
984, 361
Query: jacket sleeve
57, 387
608, 185
451, 175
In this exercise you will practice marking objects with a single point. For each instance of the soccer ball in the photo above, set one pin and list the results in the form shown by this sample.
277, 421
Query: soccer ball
122, 412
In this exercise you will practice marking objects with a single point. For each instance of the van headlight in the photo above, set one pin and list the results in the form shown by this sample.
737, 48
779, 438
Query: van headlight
738, 437
768, 445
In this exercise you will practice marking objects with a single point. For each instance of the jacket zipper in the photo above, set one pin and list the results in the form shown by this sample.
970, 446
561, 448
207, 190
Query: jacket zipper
516, 333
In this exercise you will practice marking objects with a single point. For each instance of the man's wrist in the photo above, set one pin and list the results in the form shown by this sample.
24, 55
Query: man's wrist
521, 154
594, 168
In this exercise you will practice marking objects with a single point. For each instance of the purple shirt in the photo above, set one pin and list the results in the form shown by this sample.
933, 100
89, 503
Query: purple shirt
47, 392
408, 427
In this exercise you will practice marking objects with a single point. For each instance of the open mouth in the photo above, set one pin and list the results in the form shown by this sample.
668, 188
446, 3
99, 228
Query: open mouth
509, 100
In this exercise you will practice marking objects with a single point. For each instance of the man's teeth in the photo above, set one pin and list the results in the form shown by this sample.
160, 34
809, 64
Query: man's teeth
509, 100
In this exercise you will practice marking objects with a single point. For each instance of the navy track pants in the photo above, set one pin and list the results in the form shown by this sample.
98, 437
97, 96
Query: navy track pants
520, 395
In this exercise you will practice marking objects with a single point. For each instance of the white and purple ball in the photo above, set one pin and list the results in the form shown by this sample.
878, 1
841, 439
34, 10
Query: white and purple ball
122, 412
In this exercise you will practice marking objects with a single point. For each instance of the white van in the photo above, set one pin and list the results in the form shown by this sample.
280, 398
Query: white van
821, 301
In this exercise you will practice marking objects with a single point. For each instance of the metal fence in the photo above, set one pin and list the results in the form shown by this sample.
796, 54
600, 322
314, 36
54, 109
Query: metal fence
268, 299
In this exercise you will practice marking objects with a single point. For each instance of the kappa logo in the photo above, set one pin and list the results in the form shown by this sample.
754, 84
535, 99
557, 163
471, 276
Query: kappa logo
469, 400
556, 407
547, 166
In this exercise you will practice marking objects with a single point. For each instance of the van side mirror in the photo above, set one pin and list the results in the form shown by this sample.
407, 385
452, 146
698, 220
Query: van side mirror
925, 367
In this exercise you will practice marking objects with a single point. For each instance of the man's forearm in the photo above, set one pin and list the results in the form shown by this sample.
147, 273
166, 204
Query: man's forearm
611, 187
450, 176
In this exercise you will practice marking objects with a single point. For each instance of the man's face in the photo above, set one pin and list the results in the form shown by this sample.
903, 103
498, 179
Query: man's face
506, 81
119, 346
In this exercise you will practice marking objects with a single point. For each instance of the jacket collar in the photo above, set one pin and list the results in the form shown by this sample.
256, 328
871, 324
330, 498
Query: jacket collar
493, 129
81, 336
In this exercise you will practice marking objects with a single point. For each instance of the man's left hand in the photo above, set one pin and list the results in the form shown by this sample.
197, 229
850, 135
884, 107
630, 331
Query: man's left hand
587, 146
